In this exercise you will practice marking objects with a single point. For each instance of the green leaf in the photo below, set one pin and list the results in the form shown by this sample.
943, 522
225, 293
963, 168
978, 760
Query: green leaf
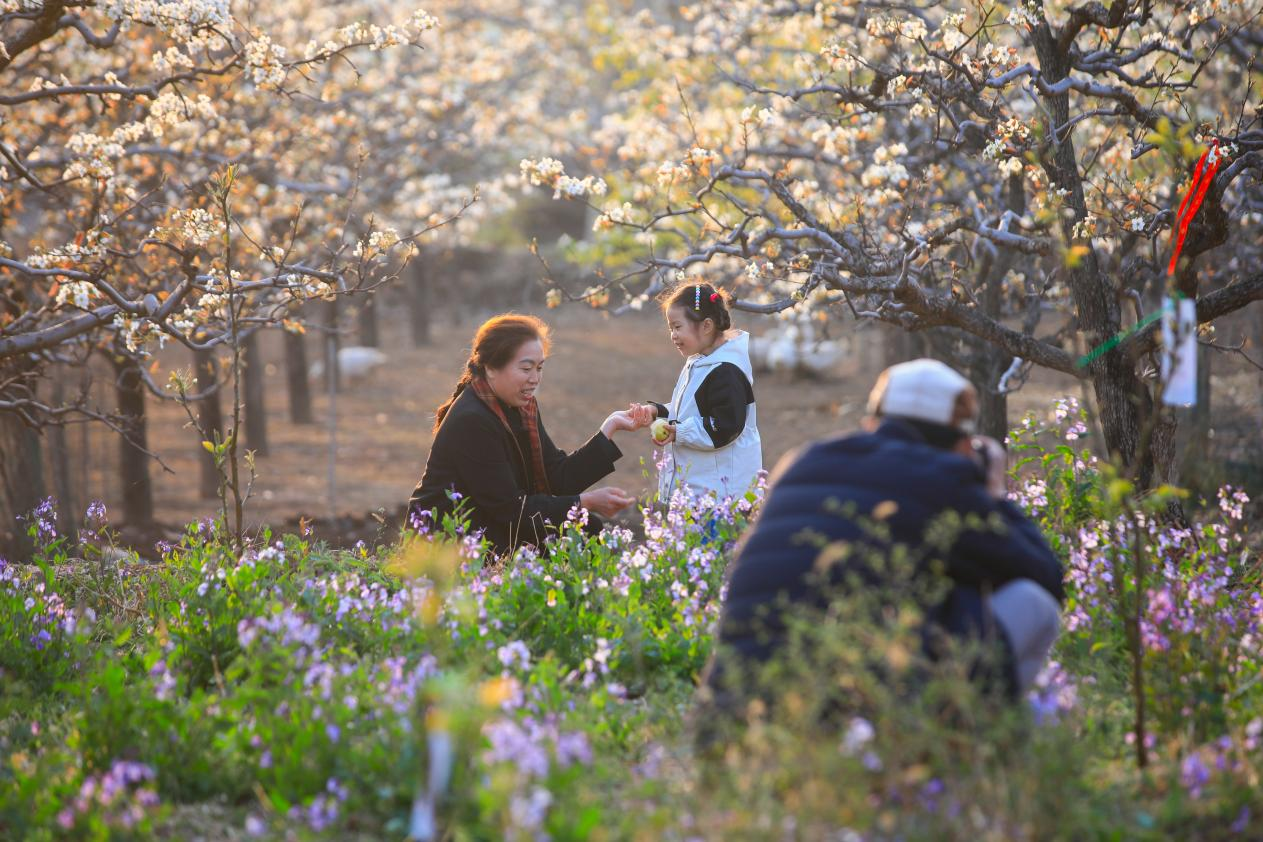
279, 802
588, 821
1118, 489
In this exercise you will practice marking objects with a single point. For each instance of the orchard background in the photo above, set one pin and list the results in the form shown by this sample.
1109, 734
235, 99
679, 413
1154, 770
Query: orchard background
213, 624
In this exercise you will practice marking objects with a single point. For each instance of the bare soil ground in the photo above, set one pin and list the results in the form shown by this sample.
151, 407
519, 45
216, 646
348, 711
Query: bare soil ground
598, 364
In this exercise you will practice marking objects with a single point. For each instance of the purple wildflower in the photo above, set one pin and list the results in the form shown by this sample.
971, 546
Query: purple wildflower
1194, 775
42, 521
514, 652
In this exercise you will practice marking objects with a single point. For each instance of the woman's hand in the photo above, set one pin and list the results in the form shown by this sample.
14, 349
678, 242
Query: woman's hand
629, 419
606, 502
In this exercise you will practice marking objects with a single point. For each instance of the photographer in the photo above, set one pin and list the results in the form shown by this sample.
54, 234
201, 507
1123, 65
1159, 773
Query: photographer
916, 462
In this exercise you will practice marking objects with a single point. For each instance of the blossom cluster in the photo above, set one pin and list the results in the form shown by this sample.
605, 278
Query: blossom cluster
136, 332
839, 55
549, 172
951, 31
911, 29
376, 242
375, 36
696, 164
1010, 136
886, 170
93, 155
90, 248
194, 226
532, 749
613, 215
265, 63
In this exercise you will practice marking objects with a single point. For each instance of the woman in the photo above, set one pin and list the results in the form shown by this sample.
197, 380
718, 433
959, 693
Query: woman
492, 454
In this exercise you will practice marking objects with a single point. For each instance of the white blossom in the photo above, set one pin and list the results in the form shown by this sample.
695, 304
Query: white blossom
80, 292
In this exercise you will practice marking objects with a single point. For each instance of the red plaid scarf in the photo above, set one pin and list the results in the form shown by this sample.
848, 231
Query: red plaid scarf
530, 418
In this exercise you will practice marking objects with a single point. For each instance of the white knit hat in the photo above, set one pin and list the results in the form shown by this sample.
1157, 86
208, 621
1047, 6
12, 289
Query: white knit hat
922, 389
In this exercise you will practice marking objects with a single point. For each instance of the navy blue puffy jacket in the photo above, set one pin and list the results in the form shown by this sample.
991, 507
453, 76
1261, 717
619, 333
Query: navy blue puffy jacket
895, 464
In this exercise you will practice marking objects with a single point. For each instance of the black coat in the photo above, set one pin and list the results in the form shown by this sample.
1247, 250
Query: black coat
892, 464
474, 455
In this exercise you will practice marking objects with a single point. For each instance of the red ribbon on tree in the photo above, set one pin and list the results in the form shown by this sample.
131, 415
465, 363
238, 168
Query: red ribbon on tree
1202, 177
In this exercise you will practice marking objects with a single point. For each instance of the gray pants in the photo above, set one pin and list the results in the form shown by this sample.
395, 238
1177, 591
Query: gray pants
1031, 619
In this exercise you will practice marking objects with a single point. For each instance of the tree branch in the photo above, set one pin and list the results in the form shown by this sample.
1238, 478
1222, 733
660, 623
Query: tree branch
42, 27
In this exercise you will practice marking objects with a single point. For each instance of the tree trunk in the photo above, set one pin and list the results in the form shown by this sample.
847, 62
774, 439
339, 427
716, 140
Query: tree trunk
68, 505
1201, 434
993, 405
1161, 461
331, 364
901, 345
134, 446
333, 376
1126, 408
993, 408
256, 408
420, 302
296, 378
868, 344
982, 365
1192, 462
369, 336
84, 460
1257, 314
21, 484
210, 416
1124, 400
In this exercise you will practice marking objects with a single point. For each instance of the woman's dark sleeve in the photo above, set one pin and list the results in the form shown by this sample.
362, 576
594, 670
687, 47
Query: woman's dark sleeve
487, 474
576, 472
723, 400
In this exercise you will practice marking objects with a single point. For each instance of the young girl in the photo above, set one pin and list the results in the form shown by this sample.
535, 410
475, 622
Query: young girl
712, 443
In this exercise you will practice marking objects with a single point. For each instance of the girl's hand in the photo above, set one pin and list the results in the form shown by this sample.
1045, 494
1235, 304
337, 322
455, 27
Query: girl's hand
643, 414
662, 432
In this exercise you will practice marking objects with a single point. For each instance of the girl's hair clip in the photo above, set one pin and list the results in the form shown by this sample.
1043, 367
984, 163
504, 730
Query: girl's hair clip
714, 296
697, 297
